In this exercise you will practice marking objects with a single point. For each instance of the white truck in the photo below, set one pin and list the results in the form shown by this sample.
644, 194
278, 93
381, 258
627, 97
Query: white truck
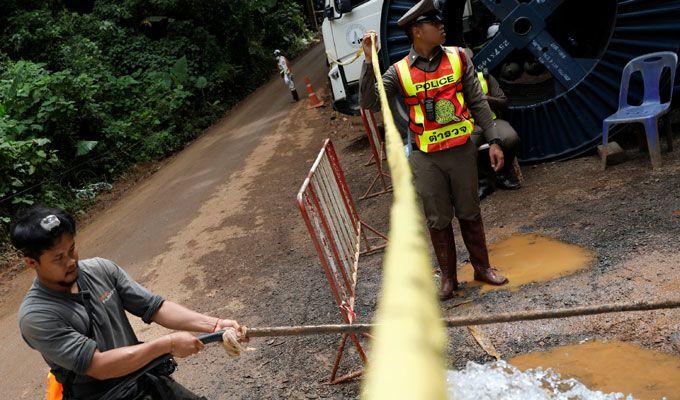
558, 61
342, 30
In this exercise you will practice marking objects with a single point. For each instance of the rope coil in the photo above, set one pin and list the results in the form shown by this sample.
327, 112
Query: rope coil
233, 347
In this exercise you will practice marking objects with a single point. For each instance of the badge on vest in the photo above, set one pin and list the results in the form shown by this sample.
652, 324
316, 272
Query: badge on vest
445, 112
429, 110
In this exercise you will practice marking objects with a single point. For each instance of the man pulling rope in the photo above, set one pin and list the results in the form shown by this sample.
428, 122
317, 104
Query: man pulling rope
74, 315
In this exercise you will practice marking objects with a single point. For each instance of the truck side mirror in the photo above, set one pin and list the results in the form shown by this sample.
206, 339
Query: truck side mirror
343, 6
329, 12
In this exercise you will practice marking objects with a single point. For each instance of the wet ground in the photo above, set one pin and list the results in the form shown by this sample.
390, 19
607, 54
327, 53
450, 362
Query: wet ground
531, 258
217, 228
612, 367
578, 236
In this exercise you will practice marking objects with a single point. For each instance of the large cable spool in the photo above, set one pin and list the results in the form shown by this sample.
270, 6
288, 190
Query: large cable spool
559, 61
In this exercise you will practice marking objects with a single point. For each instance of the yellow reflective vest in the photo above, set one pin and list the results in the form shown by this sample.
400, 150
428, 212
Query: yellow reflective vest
485, 89
453, 123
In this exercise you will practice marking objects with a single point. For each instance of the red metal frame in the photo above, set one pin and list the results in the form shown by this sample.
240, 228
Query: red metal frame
337, 232
383, 152
378, 151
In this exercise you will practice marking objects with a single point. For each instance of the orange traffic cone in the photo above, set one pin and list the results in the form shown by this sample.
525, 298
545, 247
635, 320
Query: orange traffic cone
314, 101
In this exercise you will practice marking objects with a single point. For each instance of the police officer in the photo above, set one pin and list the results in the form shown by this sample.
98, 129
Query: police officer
442, 93
498, 102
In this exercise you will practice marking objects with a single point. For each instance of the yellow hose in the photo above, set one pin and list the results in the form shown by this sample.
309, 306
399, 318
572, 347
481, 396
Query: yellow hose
407, 354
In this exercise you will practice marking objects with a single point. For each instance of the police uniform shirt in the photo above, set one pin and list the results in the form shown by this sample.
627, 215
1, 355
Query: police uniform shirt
472, 89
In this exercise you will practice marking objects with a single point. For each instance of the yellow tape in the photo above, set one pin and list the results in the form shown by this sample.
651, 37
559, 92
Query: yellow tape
338, 62
407, 354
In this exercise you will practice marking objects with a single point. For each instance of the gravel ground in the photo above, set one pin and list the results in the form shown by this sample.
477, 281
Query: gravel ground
259, 264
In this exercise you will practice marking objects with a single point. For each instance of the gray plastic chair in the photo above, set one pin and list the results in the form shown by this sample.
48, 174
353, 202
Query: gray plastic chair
651, 67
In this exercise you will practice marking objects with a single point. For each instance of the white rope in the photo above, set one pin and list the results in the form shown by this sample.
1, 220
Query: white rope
338, 62
231, 344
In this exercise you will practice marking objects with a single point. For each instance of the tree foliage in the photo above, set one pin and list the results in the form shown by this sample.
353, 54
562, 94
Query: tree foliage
88, 88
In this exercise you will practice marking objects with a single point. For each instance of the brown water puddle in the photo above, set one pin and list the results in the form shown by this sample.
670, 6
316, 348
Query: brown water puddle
527, 258
612, 367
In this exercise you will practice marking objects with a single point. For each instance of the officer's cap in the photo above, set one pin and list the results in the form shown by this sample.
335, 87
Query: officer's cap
423, 11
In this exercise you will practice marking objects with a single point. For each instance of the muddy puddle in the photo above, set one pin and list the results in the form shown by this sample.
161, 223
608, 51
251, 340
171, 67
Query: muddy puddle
612, 367
529, 258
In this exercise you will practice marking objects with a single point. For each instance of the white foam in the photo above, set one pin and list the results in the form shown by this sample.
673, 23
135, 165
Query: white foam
502, 381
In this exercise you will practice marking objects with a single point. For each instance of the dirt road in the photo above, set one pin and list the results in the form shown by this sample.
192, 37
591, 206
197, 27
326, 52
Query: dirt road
217, 229
172, 231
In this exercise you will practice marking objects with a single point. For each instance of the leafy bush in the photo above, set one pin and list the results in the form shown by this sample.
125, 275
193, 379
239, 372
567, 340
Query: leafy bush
89, 88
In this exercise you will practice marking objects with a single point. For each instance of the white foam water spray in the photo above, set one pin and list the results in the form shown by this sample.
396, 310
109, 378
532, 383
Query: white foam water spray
502, 381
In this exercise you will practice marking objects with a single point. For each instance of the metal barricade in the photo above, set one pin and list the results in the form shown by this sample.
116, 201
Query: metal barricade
337, 233
377, 157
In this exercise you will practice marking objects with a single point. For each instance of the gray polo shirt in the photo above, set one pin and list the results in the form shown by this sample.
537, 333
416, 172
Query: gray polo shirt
58, 326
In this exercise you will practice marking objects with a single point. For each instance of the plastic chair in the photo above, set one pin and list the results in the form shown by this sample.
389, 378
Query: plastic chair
648, 113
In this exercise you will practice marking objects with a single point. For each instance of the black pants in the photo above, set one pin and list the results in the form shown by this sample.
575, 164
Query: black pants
510, 140
165, 388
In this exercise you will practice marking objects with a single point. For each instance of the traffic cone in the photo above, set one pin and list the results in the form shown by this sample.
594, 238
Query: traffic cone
314, 101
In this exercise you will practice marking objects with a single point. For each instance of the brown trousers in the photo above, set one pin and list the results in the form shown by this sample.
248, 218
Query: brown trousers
446, 182
506, 132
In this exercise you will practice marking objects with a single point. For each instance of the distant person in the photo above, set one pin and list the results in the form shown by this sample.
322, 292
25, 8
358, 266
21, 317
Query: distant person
505, 178
74, 315
286, 73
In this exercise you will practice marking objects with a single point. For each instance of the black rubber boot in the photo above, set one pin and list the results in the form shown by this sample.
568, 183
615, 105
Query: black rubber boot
506, 179
484, 188
485, 184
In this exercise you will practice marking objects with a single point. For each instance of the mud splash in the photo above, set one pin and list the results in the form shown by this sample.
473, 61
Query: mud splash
528, 258
612, 366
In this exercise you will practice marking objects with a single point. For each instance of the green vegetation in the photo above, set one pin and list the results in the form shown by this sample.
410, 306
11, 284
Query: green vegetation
88, 88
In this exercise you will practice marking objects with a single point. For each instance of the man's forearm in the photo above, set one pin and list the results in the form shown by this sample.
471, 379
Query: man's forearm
496, 104
368, 98
496, 98
174, 316
481, 112
126, 360
474, 98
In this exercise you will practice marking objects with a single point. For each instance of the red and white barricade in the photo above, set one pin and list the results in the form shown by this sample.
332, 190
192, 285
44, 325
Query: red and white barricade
377, 157
337, 233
